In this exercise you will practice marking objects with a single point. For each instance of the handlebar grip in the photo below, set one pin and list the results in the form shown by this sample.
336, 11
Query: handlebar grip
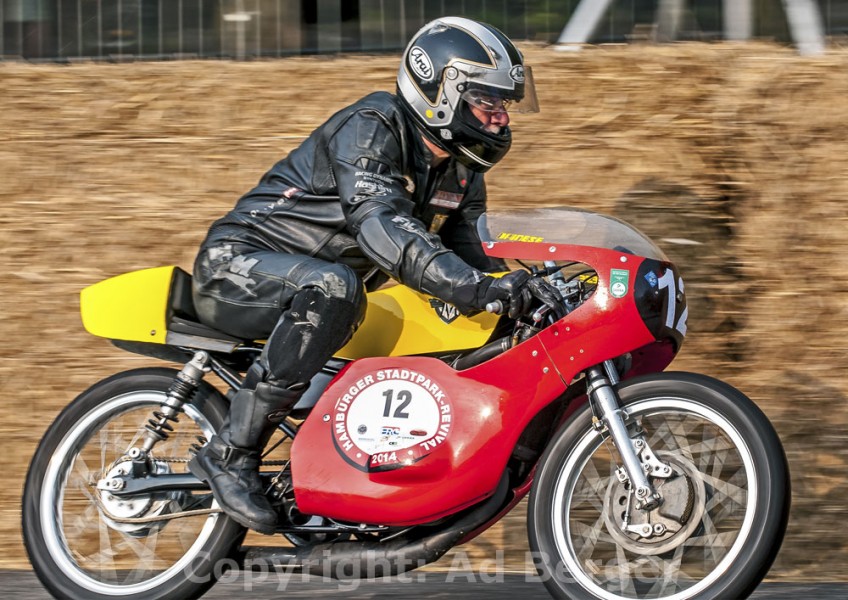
495, 307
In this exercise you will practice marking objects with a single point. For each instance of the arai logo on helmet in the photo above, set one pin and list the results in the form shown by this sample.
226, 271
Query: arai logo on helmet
516, 73
421, 63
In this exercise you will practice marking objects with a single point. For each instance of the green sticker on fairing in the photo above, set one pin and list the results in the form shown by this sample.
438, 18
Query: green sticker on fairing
618, 282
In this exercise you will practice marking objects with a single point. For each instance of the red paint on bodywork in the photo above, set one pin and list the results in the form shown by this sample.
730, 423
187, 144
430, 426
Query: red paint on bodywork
491, 405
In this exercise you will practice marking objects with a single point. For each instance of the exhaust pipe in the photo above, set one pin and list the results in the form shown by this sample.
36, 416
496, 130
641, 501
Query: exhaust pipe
366, 559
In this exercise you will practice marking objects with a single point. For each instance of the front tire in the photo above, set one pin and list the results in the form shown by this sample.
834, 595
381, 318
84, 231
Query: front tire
76, 550
726, 505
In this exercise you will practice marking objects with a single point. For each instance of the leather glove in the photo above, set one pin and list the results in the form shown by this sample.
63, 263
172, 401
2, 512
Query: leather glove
517, 291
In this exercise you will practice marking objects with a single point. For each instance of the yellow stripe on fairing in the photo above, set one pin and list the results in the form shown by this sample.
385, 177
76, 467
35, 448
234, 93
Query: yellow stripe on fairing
401, 322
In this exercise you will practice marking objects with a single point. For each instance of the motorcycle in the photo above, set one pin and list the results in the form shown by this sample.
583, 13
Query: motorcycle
422, 432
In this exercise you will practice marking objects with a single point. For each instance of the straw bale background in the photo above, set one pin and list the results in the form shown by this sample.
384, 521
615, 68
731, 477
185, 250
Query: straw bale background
739, 149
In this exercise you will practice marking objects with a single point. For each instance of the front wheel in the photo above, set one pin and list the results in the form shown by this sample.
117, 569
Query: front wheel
84, 542
724, 510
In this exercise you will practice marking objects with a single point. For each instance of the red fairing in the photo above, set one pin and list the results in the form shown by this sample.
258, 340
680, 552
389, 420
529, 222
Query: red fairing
605, 326
602, 328
404, 441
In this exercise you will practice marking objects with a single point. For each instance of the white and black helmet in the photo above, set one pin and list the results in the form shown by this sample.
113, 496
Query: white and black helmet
453, 63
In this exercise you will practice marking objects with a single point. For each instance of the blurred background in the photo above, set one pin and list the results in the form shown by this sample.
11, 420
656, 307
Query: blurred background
118, 29
719, 127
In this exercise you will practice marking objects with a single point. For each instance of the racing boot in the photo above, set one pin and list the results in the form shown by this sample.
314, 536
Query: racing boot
229, 462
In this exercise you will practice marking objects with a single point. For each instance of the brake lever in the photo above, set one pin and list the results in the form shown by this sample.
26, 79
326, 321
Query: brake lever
540, 313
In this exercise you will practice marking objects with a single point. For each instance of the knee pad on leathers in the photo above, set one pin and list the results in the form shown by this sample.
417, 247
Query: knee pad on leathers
308, 334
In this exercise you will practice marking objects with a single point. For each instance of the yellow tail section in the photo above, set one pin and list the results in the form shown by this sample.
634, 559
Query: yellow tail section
132, 306
399, 321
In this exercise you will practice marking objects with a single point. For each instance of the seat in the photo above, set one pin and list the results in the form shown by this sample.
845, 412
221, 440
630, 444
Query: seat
182, 316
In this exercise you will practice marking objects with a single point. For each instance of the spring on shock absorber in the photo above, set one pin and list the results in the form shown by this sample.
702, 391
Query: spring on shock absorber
179, 393
182, 390
199, 443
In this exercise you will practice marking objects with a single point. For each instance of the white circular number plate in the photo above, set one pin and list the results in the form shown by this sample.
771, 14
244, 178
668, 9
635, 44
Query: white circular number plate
390, 419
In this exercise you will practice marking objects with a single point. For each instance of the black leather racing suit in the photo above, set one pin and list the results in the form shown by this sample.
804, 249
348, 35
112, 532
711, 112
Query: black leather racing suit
357, 201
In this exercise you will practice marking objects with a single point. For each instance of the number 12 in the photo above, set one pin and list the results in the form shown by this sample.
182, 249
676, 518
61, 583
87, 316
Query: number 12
404, 397
667, 281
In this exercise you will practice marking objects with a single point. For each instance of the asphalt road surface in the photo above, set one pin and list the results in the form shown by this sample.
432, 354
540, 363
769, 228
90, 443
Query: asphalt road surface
23, 585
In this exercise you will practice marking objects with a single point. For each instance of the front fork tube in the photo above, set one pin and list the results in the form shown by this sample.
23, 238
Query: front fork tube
600, 382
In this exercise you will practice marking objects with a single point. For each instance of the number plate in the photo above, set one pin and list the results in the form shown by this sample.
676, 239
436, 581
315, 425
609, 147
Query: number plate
391, 418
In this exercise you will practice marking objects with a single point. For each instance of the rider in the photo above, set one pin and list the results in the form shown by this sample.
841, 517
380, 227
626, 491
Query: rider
391, 185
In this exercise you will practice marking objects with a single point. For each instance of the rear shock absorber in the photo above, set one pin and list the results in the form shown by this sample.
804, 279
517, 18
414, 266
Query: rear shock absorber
182, 390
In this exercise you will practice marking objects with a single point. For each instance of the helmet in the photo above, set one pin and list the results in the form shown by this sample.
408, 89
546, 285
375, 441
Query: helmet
453, 64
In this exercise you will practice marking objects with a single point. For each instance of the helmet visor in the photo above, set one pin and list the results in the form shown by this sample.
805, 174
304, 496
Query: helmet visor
492, 99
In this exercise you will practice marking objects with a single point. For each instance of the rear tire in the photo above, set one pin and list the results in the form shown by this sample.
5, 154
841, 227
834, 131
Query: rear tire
79, 553
730, 502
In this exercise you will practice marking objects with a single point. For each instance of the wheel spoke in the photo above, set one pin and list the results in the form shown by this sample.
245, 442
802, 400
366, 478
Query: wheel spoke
672, 434
707, 448
590, 535
670, 572
592, 487
724, 491
104, 446
707, 457
82, 472
723, 540
146, 557
626, 587
105, 559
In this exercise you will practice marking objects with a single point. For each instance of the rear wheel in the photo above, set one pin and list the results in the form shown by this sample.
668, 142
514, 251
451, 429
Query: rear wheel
84, 542
725, 502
